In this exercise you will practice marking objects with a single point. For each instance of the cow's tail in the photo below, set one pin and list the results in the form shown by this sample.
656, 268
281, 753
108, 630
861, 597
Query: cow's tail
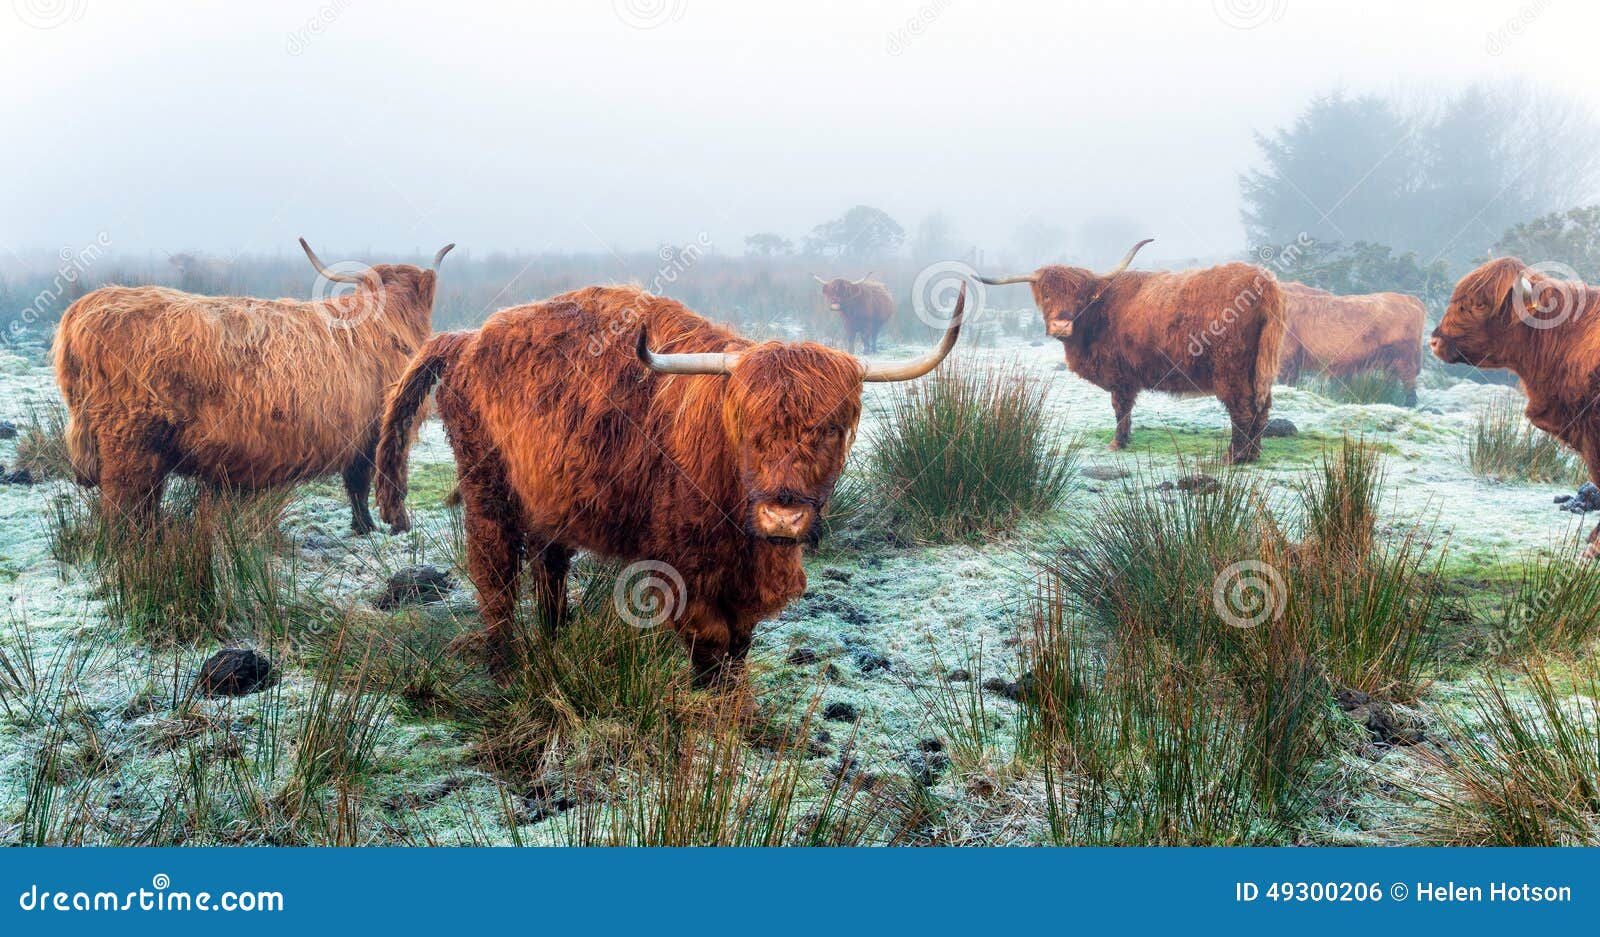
401, 420
83, 453
1269, 347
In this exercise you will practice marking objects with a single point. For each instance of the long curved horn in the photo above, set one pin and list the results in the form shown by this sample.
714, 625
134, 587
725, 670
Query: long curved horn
1002, 281
440, 256
1127, 258
322, 269
884, 372
819, 279
863, 278
705, 362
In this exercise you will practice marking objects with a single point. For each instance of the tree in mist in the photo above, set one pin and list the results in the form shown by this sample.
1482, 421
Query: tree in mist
1441, 179
1571, 238
767, 244
861, 232
936, 239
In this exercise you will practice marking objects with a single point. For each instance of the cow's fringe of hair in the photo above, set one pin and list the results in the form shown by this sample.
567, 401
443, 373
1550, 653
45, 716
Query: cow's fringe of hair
401, 421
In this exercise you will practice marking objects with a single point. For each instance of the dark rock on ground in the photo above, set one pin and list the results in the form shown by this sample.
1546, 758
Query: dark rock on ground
925, 767
931, 745
959, 675
19, 477
235, 671
1203, 484
1587, 499
1014, 690
836, 574
8, 429
1102, 472
868, 659
1278, 427
1386, 722
801, 656
841, 712
416, 585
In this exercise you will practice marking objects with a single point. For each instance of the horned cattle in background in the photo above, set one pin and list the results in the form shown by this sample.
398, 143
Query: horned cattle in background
236, 392
1544, 330
1215, 331
702, 457
864, 305
1341, 336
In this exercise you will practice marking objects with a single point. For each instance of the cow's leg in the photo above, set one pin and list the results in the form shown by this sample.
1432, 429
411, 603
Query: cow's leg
1589, 450
1249, 418
1122, 404
708, 634
133, 474
550, 586
358, 483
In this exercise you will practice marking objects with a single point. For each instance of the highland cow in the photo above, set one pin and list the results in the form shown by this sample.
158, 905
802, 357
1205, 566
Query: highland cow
1215, 331
235, 392
1544, 330
690, 447
1342, 336
864, 305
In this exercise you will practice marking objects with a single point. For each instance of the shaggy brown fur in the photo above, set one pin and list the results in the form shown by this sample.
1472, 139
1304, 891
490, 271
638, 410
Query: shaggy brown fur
1342, 336
1554, 349
865, 308
235, 392
1215, 331
566, 442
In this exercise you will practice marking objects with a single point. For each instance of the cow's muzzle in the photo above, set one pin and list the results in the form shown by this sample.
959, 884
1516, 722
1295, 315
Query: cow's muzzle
783, 523
1445, 350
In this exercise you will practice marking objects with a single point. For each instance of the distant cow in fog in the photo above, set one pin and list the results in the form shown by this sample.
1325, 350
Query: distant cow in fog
865, 305
236, 392
1214, 331
1544, 330
1342, 336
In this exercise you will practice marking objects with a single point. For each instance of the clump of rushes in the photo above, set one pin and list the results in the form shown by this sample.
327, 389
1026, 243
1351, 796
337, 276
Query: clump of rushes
1556, 604
1523, 769
1364, 387
42, 444
1502, 445
210, 561
849, 514
970, 450
1225, 641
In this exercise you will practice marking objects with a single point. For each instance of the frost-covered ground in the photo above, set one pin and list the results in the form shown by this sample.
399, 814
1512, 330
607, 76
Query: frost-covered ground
881, 624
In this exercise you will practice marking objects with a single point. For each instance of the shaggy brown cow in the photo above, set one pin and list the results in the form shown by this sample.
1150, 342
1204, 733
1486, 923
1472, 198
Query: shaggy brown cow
1214, 331
236, 392
710, 454
1342, 336
865, 305
1544, 330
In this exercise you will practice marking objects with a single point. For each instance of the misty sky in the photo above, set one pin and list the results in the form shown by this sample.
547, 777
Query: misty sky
380, 127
